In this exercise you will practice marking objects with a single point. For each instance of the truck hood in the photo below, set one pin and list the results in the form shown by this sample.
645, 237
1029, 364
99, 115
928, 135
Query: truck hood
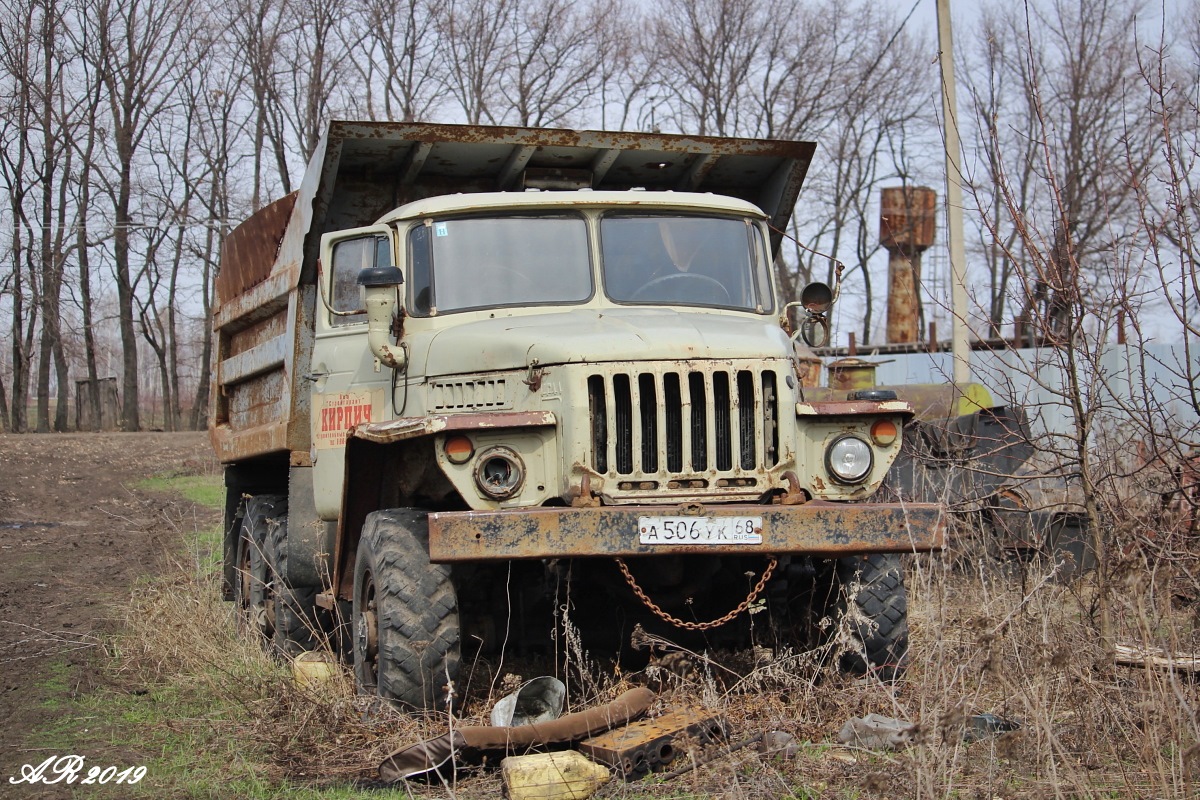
593, 335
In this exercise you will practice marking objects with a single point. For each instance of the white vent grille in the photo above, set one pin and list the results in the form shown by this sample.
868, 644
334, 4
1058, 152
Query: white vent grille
469, 395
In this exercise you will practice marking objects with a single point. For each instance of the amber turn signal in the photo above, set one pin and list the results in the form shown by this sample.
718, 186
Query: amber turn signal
459, 449
883, 432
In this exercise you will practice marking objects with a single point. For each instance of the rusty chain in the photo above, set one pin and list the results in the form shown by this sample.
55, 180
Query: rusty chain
697, 626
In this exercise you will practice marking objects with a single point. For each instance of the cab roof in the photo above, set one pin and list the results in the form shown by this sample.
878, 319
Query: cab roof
585, 198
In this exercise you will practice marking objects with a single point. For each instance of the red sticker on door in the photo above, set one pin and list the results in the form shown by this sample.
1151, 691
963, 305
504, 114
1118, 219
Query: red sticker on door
341, 412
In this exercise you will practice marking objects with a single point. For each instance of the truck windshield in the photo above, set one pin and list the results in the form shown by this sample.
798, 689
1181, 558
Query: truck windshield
476, 262
685, 260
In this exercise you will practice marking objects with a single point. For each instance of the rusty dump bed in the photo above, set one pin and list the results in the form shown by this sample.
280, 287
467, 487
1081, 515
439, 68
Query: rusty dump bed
263, 318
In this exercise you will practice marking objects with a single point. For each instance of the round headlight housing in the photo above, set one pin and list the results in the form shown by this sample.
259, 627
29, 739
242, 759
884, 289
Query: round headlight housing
849, 459
499, 473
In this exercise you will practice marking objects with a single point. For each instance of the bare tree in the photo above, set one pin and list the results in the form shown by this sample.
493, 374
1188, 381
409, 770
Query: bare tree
314, 71
710, 51
19, 54
1059, 78
627, 71
880, 100
92, 89
477, 38
220, 127
55, 123
258, 30
397, 59
555, 66
139, 52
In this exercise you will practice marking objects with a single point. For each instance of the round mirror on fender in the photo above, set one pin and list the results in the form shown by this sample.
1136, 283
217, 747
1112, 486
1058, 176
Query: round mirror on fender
817, 298
815, 331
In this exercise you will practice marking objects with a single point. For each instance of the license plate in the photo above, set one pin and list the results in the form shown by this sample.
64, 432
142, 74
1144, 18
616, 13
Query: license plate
700, 530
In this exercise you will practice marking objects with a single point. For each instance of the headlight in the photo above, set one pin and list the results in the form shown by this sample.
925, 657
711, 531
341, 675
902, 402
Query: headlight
849, 459
499, 473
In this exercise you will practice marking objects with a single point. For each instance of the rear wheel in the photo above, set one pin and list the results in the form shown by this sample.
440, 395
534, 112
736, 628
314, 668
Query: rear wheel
296, 626
872, 616
406, 628
254, 578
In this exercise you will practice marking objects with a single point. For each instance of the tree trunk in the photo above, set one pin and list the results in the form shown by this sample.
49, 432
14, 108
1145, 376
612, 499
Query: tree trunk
3, 408
85, 279
130, 419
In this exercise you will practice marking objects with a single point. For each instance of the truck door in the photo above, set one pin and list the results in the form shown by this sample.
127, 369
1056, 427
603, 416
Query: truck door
348, 386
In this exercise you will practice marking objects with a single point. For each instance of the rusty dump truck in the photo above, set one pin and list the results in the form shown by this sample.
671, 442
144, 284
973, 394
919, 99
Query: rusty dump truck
474, 385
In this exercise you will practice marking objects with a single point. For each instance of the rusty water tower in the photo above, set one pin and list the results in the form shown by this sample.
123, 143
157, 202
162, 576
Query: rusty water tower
906, 228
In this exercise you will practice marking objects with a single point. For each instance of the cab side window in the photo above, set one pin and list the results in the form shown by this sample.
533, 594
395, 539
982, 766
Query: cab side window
349, 258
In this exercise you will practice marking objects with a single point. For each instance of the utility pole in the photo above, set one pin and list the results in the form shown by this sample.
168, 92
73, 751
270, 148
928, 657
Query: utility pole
960, 345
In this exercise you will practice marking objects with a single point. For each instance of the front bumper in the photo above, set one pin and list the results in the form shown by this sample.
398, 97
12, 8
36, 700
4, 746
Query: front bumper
816, 528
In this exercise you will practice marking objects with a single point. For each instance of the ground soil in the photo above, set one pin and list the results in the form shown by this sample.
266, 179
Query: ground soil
76, 532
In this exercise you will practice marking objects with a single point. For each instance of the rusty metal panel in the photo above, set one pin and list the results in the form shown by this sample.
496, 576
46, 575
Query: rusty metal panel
653, 745
256, 401
852, 408
249, 251
254, 335
816, 528
232, 445
265, 357
297, 364
411, 427
265, 299
851, 373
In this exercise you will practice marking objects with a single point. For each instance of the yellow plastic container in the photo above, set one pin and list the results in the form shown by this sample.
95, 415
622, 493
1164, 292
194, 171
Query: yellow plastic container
568, 775
312, 669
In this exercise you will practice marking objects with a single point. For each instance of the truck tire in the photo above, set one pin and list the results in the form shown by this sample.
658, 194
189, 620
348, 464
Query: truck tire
872, 616
406, 632
296, 624
254, 578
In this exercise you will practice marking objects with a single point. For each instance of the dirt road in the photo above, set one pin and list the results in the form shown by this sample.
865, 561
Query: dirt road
76, 532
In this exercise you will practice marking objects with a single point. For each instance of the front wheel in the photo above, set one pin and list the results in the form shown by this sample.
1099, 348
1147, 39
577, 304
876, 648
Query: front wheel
871, 613
406, 630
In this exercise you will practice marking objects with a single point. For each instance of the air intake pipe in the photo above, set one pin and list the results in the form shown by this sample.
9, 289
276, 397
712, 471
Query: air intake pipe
381, 287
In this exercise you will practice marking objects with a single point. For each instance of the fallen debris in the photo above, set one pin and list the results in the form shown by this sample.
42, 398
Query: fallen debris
1158, 658
779, 743
652, 745
567, 775
538, 700
983, 726
876, 732
694, 763
469, 745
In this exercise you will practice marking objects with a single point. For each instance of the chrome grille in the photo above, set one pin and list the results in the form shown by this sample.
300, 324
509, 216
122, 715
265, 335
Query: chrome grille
683, 423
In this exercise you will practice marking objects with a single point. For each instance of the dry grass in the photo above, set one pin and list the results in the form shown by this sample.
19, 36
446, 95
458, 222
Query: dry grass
1005, 639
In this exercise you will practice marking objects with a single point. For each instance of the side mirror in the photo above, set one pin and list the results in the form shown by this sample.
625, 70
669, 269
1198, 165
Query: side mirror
815, 331
380, 287
816, 300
